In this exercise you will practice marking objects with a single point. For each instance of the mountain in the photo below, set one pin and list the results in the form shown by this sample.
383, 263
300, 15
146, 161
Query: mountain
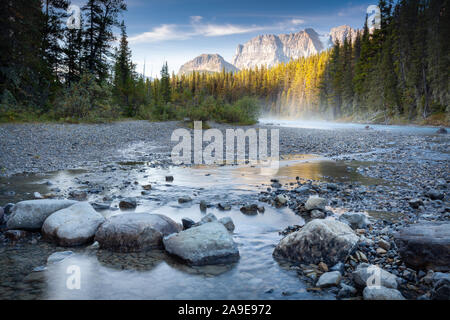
340, 33
273, 49
207, 63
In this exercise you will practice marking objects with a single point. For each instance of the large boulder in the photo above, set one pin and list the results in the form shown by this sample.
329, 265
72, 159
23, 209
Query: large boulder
327, 241
135, 232
30, 215
425, 245
356, 220
207, 244
315, 203
368, 275
382, 293
73, 226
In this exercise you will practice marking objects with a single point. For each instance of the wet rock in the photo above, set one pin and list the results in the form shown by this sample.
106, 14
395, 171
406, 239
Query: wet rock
441, 289
78, 195
317, 214
128, 204
302, 190
367, 274
135, 232
415, 203
316, 203
425, 245
100, 206
2, 212
203, 206
147, 187
332, 186
224, 207
228, 223
30, 215
346, 291
16, 235
250, 210
208, 218
281, 200
169, 179
355, 220
208, 244
8, 208
184, 200
59, 256
340, 266
381, 293
434, 195
261, 209
442, 131
187, 223
73, 226
329, 241
329, 279
323, 267
384, 244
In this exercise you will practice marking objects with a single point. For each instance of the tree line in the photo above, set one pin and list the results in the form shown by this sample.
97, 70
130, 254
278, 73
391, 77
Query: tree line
398, 72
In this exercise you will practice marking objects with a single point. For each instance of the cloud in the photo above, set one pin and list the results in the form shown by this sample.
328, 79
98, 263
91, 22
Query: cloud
197, 27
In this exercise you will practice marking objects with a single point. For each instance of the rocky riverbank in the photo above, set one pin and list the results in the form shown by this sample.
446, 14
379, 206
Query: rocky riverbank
387, 214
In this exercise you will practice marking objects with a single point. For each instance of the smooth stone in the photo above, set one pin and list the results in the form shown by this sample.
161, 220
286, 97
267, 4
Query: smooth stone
250, 210
425, 245
73, 226
355, 220
187, 223
366, 272
100, 206
317, 214
128, 204
316, 203
224, 207
329, 279
59, 256
135, 232
327, 241
30, 215
184, 200
208, 244
346, 291
228, 223
382, 293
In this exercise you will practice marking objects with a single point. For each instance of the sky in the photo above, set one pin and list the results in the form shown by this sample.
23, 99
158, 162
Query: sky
177, 31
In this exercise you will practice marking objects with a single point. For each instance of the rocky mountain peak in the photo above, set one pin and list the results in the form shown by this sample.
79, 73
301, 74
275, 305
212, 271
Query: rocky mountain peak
207, 63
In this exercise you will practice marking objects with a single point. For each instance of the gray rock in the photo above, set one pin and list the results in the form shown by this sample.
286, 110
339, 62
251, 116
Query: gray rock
384, 244
203, 206
135, 232
228, 223
329, 279
208, 218
184, 200
442, 131
317, 214
365, 273
355, 220
224, 207
425, 245
346, 291
169, 178
382, 293
441, 289
208, 244
30, 215
281, 200
59, 256
73, 226
100, 206
187, 223
302, 190
250, 210
434, 195
327, 241
415, 203
128, 204
78, 195
316, 203
8, 208
340, 266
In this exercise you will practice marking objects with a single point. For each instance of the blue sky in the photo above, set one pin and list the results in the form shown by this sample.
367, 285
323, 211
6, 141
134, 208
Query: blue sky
177, 31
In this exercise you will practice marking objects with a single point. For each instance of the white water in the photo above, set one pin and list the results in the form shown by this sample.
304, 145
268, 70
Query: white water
325, 125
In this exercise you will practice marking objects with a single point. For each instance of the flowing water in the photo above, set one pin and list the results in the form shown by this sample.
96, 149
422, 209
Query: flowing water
156, 275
